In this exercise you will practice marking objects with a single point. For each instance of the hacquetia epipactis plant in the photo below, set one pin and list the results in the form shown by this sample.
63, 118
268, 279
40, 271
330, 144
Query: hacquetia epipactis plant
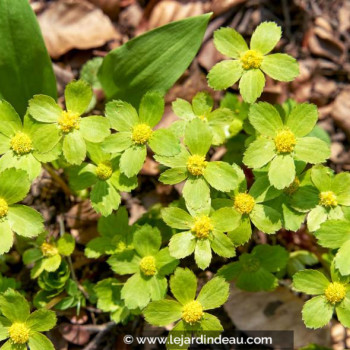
217, 214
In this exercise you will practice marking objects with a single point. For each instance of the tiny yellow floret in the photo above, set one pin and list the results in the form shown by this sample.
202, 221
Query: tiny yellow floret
251, 59
141, 133
21, 143
285, 141
202, 117
244, 203
328, 199
335, 292
148, 265
192, 312
19, 333
4, 208
104, 170
196, 164
293, 187
48, 249
69, 121
202, 226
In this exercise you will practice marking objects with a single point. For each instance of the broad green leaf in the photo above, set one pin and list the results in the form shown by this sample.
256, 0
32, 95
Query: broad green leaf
163, 312
78, 95
262, 190
265, 218
260, 280
165, 263
151, 108
45, 137
333, 233
202, 103
135, 292
7, 301
225, 219
259, 153
177, 218
4, 144
183, 285
104, 198
74, 147
198, 137
316, 217
225, 74
282, 171
317, 312
147, 240
82, 176
118, 142
202, 253
302, 119
230, 271
42, 320
66, 244
265, 119
51, 263
222, 245
44, 109
221, 176
211, 323
152, 61
38, 341
157, 287
124, 263
251, 85
14, 185
31, 255
229, 42
95, 128
214, 293
122, 115
321, 177
311, 150
183, 109
242, 233
265, 37
6, 237
280, 66
342, 259
25, 221
132, 160
22, 51
310, 282
272, 258
164, 142
173, 176
343, 314
196, 193
182, 245
305, 198
10, 122
341, 188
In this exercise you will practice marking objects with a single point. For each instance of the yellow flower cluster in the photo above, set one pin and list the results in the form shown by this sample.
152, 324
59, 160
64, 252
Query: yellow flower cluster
4, 208
148, 265
69, 121
251, 59
48, 249
285, 141
141, 133
104, 170
244, 203
192, 312
19, 333
328, 199
21, 143
202, 226
196, 164
335, 292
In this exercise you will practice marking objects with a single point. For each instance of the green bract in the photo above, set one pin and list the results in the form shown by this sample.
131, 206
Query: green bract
281, 142
47, 256
191, 165
330, 295
255, 271
24, 145
22, 328
104, 178
327, 197
202, 108
148, 264
74, 130
187, 308
116, 235
249, 64
203, 232
15, 218
136, 131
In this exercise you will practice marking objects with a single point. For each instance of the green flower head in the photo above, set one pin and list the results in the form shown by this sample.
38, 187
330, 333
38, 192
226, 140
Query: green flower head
22, 328
47, 255
73, 130
325, 197
24, 145
189, 309
15, 218
329, 296
148, 264
104, 177
136, 132
203, 232
191, 165
282, 141
255, 271
250, 64
116, 235
202, 108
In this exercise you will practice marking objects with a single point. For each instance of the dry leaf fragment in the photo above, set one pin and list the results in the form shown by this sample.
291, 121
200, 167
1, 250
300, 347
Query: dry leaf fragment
74, 24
